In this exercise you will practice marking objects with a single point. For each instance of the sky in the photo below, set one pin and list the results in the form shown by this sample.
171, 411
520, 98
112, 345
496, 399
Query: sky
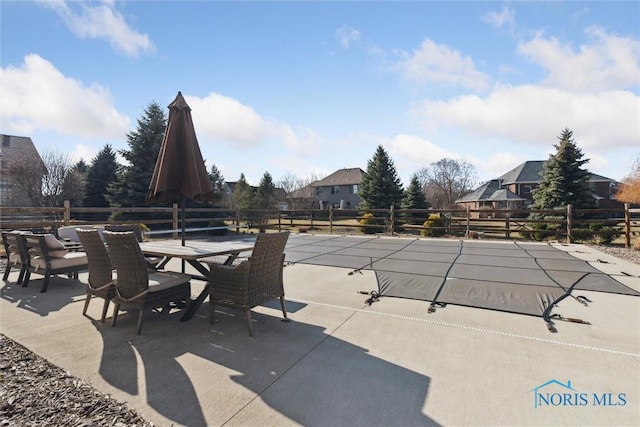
305, 88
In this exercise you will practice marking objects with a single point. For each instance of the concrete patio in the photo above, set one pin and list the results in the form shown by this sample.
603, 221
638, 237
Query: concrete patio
343, 362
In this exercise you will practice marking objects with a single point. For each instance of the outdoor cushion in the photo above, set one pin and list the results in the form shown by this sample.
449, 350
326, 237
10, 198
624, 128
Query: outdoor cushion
13, 246
159, 281
58, 253
53, 243
55, 246
71, 259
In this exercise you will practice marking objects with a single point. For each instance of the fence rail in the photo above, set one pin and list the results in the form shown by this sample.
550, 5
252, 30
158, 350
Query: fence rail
563, 224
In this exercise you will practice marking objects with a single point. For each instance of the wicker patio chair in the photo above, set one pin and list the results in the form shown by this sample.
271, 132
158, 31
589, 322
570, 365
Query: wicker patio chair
101, 283
126, 227
136, 286
16, 254
48, 256
253, 281
152, 261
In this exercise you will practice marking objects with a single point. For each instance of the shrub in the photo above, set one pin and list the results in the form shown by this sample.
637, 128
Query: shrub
541, 230
433, 226
371, 225
597, 234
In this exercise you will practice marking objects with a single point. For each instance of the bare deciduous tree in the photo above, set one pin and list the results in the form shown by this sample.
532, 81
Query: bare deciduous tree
629, 191
49, 183
299, 194
447, 180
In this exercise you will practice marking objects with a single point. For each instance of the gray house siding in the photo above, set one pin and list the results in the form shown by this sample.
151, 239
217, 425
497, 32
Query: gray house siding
340, 189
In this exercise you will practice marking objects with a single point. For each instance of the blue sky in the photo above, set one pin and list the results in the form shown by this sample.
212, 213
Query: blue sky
306, 88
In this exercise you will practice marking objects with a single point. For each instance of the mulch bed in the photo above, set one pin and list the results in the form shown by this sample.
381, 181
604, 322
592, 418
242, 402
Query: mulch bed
33, 392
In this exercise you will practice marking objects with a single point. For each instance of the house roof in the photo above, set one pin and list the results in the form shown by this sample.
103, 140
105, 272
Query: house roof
18, 148
345, 176
489, 191
303, 193
531, 172
504, 194
480, 193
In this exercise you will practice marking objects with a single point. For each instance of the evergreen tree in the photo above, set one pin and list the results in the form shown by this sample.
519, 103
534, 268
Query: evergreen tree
242, 194
266, 194
132, 185
100, 175
220, 196
81, 166
414, 198
564, 181
380, 187
74, 186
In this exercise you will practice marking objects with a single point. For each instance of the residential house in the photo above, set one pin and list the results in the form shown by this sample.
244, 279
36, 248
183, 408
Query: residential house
340, 189
491, 195
15, 150
514, 189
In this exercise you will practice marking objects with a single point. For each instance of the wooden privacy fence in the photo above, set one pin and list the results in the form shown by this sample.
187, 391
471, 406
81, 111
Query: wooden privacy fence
562, 224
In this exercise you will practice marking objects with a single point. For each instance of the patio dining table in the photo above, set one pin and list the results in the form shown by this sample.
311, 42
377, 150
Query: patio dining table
193, 252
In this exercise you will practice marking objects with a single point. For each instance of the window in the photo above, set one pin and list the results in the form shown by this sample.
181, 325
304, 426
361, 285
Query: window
526, 189
335, 189
354, 189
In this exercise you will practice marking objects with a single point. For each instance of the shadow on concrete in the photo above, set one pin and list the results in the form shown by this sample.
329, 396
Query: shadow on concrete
62, 291
303, 373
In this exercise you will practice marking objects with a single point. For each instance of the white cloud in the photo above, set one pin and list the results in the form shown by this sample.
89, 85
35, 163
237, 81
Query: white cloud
304, 141
498, 163
419, 150
609, 62
597, 162
223, 118
535, 115
101, 21
37, 96
84, 152
346, 35
437, 63
227, 119
502, 19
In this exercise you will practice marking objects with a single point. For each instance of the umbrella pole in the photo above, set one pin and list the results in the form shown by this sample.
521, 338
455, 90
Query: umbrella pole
184, 201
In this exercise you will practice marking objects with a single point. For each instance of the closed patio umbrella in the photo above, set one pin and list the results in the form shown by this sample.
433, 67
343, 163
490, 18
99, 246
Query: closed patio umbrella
180, 172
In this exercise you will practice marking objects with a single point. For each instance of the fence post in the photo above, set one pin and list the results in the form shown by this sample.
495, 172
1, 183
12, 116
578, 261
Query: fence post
508, 226
330, 219
569, 222
67, 212
467, 234
391, 217
627, 226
